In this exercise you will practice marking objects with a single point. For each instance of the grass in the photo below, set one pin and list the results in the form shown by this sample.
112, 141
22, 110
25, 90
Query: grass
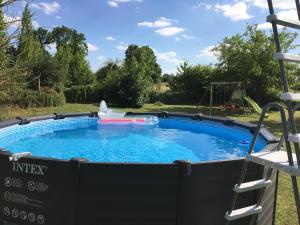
286, 210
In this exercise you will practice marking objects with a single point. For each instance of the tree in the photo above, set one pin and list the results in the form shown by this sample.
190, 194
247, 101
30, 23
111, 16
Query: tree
109, 80
30, 51
167, 78
191, 80
248, 57
110, 68
11, 76
44, 36
3, 37
71, 52
140, 72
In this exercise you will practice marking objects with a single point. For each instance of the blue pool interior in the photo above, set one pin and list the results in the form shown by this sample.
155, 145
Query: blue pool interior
172, 139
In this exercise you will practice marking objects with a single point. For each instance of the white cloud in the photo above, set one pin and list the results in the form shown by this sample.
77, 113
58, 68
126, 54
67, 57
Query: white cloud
12, 21
288, 14
35, 24
100, 57
92, 48
207, 53
122, 46
47, 8
161, 22
122, 1
201, 4
187, 36
278, 4
110, 38
170, 57
16, 21
166, 28
58, 17
51, 48
264, 26
115, 3
170, 31
236, 12
112, 4
267, 26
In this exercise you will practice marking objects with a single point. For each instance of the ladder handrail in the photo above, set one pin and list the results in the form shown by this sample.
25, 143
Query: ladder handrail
298, 8
266, 108
281, 142
285, 80
257, 130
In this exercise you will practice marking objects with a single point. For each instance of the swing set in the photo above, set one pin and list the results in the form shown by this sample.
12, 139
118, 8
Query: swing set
225, 95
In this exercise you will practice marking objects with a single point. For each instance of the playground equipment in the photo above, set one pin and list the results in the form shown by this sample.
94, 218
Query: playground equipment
226, 95
256, 108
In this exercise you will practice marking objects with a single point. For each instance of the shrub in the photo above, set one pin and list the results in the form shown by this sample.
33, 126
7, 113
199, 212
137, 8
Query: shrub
271, 96
43, 98
3, 112
175, 98
154, 97
83, 94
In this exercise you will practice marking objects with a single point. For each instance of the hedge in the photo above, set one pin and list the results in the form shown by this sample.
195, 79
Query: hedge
43, 98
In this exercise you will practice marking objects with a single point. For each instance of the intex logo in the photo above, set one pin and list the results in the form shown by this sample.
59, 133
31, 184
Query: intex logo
29, 168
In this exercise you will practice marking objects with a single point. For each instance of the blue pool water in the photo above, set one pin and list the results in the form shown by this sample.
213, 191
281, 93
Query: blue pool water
172, 139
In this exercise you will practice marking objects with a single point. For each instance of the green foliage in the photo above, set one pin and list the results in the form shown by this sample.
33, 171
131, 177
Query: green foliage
47, 75
190, 80
167, 78
109, 78
84, 94
248, 58
43, 98
50, 73
12, 77
30, 51
43, 36
3, 37
140, 72
71, 52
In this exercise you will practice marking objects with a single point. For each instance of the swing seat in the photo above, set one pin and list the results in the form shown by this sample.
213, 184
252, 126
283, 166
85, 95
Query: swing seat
231, 105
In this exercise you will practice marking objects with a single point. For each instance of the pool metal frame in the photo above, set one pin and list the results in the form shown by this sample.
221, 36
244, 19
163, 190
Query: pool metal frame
86, 193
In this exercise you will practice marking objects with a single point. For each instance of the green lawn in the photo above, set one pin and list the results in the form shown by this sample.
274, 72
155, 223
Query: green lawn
286, 211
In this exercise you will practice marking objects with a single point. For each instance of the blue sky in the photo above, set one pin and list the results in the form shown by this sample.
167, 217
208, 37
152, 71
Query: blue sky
176, 30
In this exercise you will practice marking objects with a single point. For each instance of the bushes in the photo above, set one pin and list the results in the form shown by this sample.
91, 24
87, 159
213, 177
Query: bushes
42, 98
172, 98
271, 95
83, 94
3, 112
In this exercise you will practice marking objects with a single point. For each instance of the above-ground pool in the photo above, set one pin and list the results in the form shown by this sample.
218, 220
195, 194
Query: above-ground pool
178, 172
172, 139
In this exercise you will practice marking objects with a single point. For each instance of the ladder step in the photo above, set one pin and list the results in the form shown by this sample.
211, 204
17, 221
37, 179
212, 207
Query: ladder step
286, 56
290, 96
277, 160
295, 138
253, 185
283, 21
243, 212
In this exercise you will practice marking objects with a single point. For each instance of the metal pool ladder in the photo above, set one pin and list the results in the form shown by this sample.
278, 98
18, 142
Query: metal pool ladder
277, 159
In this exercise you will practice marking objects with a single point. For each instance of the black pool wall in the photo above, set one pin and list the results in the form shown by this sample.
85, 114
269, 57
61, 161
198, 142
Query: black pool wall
78, 192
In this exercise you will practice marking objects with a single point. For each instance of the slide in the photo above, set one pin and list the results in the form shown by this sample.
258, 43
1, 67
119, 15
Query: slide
254, 105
